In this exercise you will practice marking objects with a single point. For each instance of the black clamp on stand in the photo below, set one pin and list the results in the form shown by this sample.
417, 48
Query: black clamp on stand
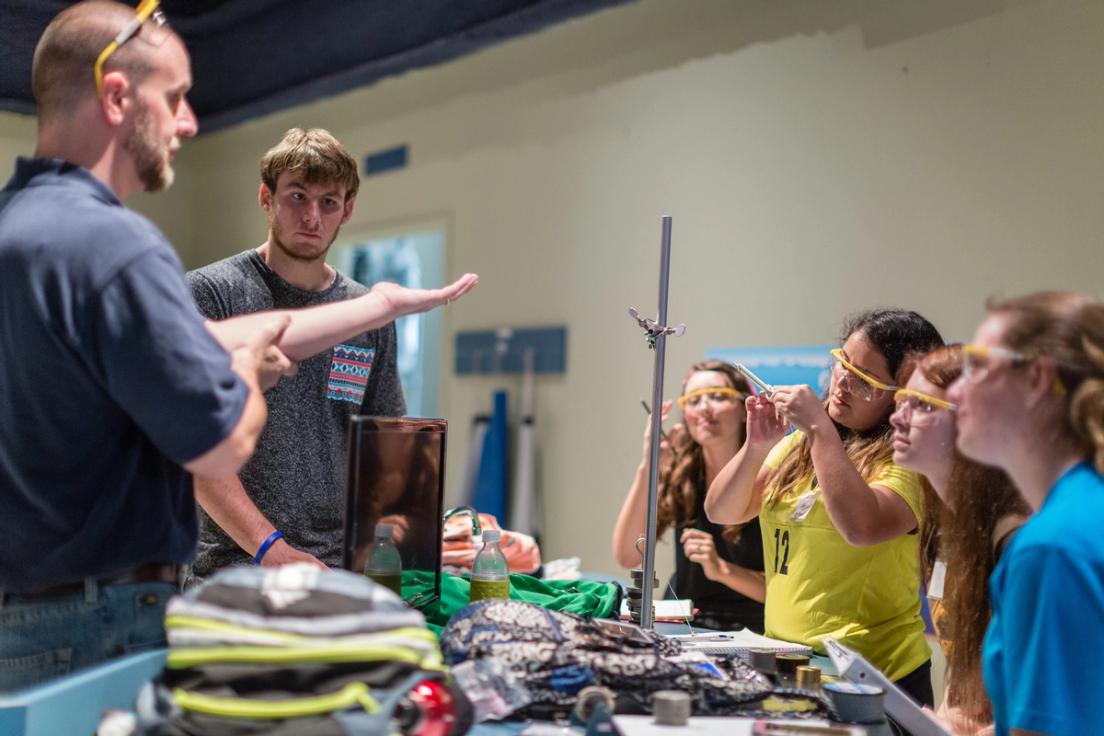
652, 331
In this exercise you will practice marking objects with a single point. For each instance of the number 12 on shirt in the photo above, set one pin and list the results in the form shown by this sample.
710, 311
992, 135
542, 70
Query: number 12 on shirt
781, 551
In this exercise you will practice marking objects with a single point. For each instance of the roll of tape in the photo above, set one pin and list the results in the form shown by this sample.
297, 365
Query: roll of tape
591, 697
787, 664
785, 668
855, 703
671, 708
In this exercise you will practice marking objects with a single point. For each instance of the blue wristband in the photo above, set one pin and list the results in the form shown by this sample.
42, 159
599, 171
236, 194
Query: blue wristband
266, 544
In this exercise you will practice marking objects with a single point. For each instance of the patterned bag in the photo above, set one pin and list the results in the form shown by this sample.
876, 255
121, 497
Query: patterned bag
558, 654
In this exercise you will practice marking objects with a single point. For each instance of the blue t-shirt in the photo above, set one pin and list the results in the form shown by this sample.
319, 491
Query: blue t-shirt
109, 382
1047, 628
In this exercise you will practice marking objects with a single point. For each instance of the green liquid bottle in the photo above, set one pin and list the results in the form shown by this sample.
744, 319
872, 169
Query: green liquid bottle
384, 563
490, 576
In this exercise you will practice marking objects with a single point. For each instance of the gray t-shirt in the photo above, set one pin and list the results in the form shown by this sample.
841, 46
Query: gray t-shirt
296, 477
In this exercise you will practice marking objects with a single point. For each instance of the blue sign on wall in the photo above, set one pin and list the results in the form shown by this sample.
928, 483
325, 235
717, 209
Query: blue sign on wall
783, 365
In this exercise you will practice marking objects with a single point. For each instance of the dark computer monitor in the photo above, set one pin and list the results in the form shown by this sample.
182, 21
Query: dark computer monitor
397, 476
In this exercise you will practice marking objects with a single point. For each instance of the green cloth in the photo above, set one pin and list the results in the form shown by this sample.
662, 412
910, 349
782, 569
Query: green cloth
582, 597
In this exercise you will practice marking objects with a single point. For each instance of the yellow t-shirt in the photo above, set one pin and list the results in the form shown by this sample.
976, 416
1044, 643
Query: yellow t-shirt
818, 585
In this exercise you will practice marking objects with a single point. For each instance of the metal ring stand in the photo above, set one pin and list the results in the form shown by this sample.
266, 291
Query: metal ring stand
655, 333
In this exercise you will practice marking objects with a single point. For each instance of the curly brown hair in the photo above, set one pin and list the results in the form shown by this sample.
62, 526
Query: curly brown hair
979, 497
683, 480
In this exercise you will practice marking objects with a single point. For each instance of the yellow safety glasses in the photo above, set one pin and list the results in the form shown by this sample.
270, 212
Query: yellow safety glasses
716, 396
978, 362
867, 388
142, 13
918, 402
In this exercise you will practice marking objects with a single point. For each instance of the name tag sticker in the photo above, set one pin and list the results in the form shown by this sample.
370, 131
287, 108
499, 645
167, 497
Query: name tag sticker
804, 506
938, 577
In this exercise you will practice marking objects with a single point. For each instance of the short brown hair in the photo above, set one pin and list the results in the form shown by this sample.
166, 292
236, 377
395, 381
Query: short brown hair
62, 70
316, 155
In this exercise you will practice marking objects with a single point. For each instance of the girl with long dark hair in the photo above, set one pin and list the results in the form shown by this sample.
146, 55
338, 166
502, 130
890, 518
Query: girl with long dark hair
841, 522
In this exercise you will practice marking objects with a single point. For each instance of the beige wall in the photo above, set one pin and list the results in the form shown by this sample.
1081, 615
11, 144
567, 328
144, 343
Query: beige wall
16, 138
817, 158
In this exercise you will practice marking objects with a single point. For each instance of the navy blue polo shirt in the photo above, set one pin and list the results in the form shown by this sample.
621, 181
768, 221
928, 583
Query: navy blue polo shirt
109, 381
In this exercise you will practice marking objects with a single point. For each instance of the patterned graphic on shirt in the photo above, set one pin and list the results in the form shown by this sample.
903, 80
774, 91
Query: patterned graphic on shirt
349, 373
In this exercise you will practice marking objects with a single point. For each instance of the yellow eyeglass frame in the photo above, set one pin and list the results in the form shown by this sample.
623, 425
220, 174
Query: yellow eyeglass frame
141, 15
1012, 356
837, 353
723, 390
984, 351
903, 393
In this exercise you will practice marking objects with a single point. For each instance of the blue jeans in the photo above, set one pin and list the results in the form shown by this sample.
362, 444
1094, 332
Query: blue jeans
44, 639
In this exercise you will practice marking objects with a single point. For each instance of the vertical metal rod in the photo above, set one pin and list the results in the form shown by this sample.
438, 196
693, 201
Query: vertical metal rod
647, 619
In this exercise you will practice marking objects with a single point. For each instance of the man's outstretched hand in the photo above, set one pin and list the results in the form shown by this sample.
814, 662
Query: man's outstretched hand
403, 300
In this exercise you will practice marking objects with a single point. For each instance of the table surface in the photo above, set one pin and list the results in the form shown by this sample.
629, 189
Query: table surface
75, 704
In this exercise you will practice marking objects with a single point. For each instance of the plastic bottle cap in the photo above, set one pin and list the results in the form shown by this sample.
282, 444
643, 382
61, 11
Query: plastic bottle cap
491, 535
384, 531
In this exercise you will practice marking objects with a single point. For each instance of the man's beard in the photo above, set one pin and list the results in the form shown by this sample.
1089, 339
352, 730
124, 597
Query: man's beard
151, 160
278, 241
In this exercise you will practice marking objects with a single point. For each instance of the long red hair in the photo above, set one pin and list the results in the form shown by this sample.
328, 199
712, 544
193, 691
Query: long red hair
979, 498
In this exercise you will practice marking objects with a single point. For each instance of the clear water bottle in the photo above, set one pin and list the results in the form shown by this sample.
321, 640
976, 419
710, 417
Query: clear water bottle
384, 564
490, 576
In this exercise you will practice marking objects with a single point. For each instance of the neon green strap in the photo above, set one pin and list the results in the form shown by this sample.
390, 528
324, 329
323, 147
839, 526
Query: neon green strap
199, 623
352, 694
192, 657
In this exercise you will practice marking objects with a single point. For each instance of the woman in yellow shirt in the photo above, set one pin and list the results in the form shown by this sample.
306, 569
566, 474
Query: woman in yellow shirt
840, 521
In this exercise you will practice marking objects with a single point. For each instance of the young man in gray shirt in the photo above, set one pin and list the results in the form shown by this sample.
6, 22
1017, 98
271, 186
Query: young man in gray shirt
294, 482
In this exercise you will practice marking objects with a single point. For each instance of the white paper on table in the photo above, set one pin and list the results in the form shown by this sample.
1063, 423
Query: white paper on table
716, 726
737, 643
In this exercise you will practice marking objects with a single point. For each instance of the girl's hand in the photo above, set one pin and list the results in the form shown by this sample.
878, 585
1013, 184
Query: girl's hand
698, 547
765, 428
802, 408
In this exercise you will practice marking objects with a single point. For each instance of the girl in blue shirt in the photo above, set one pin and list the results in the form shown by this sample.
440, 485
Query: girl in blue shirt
1031, 402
